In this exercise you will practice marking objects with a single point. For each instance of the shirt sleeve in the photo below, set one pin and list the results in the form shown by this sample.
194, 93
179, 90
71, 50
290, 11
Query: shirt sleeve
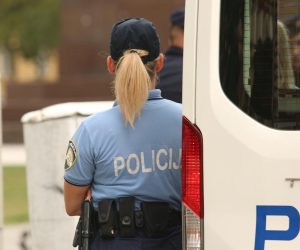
79, 163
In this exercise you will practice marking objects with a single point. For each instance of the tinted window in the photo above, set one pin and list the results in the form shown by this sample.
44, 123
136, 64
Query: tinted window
260, 59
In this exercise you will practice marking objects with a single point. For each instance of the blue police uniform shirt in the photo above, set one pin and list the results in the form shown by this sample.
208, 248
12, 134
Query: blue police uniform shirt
118, 160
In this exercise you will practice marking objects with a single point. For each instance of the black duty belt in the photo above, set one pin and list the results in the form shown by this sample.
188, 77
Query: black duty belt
119, 217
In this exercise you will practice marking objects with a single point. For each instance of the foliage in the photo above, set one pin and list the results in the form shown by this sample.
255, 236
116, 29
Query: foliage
15, 195
29, 26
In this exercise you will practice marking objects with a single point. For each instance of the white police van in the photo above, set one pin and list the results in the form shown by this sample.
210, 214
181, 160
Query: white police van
241, 138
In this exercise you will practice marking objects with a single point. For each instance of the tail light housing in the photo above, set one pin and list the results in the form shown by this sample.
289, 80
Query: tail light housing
192, 186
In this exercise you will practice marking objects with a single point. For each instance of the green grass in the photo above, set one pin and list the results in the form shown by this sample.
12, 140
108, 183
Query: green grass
15, 195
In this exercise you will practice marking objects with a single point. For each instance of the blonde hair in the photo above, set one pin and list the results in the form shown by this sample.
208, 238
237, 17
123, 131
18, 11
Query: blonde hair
132, 83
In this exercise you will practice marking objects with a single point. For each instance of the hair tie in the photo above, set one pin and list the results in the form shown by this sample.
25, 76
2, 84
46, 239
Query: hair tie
144, 58
133, 51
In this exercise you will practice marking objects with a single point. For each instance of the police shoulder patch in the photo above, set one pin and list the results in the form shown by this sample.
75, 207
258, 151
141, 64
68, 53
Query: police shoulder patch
71, 155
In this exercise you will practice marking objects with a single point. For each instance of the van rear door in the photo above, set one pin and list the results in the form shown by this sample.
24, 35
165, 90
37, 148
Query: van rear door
241, 138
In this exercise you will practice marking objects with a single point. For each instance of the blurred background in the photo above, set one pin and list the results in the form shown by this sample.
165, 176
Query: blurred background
54, 51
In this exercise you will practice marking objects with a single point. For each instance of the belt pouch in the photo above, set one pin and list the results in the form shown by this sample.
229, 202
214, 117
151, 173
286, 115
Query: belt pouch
156, 218
107, 218
139, 219
126, 217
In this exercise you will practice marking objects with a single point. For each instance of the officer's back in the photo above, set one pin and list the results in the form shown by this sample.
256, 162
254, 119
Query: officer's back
128, 157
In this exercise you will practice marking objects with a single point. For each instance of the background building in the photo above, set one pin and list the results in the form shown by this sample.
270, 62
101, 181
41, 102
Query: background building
75, 69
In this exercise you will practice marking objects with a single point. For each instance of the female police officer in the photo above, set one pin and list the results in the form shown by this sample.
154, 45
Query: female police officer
130, 156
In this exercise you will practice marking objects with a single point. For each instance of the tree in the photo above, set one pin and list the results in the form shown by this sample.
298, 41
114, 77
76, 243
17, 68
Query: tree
29, 26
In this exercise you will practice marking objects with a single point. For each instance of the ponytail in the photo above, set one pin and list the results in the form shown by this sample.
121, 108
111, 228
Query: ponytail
132, 83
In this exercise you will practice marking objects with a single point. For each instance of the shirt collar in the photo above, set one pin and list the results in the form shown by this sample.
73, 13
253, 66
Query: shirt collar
153, 94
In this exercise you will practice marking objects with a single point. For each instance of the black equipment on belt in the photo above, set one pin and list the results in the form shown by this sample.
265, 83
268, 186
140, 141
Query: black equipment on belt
154, 218
126, 217
107, 218
119, 217
84, 229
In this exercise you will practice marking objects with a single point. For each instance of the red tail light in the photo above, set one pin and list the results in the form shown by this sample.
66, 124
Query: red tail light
192, 187
192, 169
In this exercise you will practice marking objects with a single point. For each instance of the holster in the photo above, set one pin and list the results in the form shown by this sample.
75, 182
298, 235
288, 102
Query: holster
77, 241
156, 218
85, 226
107, 218
87, 229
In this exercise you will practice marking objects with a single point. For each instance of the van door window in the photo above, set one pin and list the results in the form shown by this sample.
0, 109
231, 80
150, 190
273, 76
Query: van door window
260, 59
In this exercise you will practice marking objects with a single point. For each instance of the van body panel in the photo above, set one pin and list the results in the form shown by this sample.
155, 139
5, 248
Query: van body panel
189, 59
245, 163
